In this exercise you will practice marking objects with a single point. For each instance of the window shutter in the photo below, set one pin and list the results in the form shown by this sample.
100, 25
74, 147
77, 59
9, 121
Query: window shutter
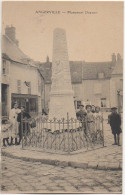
4, 67
18, 86
29, 87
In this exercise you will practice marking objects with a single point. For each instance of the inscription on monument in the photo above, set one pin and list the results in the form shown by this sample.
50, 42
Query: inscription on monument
61, 97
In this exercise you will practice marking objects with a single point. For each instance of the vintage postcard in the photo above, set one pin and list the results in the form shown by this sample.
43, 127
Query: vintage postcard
62, 97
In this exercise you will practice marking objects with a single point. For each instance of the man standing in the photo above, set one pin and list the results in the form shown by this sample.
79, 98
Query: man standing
25, 125
115, 122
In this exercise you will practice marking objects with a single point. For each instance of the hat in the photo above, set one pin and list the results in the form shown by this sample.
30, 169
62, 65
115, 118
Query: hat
114, 108
4, 118
88, 106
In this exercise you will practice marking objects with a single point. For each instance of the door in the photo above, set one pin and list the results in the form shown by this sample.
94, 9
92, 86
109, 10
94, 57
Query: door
4, 99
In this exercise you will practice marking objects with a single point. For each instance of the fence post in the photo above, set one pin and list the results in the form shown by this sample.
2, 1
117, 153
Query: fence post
63, 132
87, 133
22, 127
103, 130
68, 132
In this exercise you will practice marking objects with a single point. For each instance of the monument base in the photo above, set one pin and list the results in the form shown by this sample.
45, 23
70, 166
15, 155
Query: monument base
62, 126
60, 106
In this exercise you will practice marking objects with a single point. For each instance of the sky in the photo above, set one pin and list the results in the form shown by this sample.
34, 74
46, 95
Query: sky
90, 37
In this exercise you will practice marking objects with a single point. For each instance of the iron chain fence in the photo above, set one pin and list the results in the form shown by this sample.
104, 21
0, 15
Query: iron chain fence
65, 135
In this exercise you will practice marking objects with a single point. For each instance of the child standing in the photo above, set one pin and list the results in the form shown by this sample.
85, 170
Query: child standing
115, 122
98, 122
90, 126
5, 127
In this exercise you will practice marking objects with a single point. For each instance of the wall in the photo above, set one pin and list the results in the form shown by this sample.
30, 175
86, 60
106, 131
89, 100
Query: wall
47, 95
116, 84
24, 73
94, 90
78, 91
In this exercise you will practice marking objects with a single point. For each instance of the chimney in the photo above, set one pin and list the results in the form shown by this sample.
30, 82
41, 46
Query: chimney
11, 33
47, 59
113, 58
119, 58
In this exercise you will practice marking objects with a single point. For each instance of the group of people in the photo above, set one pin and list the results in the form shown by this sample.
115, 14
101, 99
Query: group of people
12, 127
91, 119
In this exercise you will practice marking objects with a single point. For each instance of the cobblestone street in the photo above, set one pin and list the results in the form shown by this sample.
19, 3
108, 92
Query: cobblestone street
21, 176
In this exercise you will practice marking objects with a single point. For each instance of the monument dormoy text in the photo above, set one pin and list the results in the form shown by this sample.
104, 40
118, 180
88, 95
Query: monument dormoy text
65, 12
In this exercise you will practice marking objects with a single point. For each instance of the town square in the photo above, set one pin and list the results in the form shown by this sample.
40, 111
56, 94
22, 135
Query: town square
62, 115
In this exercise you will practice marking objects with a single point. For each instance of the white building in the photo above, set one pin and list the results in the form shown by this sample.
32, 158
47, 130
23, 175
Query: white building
22, 82
95, 83
116, 84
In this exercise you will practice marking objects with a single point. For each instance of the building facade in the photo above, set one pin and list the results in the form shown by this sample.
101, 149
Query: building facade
116, 84
22, 82
93, 82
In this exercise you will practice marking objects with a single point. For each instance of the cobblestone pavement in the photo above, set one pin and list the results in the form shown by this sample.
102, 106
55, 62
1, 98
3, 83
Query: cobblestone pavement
21, 176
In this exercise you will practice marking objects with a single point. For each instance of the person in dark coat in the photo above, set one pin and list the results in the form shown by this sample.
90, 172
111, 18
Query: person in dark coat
81, 113
43, 112
23, 116
114, 120
93, 109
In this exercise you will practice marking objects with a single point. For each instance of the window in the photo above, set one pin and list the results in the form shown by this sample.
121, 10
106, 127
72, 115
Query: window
29, 87
101, 75
28, 84
18, 86
4, 66
39, 86
78, 104
103, 102
33, 105
121, 84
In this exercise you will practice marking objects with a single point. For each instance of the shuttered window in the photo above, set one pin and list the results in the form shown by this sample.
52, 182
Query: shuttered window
29, 87
121, 84
4, 67
78, 104
18, 86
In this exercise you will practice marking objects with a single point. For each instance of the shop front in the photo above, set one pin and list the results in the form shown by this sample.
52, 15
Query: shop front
30, 102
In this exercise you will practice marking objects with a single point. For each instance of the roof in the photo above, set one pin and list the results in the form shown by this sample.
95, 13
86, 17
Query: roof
80, 70
76, 71
12, 52
118, 69
46, 70
11, 49
91, 70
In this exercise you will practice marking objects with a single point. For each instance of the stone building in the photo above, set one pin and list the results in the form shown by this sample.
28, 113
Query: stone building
116, 84
93, 82
22, 82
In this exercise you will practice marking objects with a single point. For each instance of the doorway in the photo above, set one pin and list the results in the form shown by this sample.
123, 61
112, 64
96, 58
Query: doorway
4, 99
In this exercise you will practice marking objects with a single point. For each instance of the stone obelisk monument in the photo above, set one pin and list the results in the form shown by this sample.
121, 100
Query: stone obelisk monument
61, 95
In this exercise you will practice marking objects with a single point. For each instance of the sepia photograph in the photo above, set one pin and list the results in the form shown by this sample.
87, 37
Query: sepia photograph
62, 97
